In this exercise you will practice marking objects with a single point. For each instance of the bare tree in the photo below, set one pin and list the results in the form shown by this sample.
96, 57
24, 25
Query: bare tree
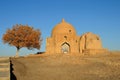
23, 36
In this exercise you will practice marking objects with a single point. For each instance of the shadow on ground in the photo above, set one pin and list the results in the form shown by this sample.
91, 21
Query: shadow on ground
12, 76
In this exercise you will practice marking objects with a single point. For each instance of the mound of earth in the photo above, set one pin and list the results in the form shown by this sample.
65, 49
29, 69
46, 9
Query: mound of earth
67, 67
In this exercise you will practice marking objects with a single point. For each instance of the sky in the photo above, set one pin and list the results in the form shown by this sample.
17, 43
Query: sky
101, 17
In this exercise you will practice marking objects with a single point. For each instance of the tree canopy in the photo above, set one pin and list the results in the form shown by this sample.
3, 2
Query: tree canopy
23, 36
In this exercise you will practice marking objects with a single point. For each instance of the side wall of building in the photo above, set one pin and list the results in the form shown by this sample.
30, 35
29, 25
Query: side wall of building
49, 46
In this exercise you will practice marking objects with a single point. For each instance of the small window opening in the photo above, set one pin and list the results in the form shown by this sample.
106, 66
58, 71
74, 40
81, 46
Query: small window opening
97, 38
69, 30
76, 41
65, 37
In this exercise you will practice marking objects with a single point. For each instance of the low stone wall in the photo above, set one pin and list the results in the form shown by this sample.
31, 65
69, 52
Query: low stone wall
95, 51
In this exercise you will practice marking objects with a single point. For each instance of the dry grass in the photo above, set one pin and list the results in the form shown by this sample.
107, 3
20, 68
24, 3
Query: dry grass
67, 67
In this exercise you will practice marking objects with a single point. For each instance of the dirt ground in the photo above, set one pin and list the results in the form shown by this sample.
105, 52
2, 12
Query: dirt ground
67, 67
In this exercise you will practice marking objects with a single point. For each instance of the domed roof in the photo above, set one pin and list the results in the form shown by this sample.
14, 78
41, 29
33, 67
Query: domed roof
91, 35
63, 28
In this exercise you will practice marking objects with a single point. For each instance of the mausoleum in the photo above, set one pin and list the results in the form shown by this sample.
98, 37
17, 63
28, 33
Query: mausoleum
65, 40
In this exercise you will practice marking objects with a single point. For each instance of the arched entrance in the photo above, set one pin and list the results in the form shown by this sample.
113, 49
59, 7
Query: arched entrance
65, 48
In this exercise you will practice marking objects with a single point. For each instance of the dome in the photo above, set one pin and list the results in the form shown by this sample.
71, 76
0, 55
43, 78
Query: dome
90, 35
63, 28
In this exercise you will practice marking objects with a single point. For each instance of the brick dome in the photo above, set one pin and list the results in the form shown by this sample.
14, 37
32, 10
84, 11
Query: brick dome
63, 28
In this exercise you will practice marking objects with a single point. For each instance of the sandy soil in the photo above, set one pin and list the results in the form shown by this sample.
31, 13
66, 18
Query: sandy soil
67, 67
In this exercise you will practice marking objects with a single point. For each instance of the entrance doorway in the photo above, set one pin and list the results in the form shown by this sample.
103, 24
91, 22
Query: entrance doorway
65, 48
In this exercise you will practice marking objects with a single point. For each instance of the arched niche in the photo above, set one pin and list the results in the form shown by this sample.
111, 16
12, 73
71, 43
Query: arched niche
65, 47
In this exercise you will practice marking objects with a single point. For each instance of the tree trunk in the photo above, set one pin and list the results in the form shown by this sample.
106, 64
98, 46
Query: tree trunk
17, 52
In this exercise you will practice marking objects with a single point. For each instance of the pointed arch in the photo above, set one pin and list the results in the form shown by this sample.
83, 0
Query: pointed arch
65, 47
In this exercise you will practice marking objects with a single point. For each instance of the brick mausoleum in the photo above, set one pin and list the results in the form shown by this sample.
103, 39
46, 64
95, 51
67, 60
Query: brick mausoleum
65, 40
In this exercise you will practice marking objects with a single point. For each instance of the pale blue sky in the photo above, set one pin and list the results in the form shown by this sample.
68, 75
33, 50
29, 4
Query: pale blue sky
101, 17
